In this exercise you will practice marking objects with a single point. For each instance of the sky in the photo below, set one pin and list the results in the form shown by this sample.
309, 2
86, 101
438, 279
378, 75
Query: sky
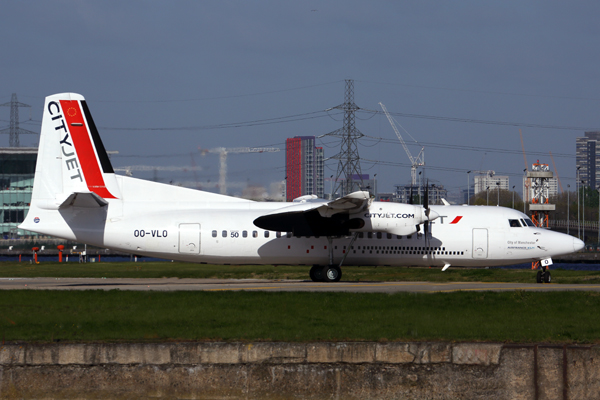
164, 79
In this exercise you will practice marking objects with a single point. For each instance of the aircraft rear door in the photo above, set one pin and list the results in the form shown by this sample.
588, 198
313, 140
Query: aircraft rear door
480, 243
189, 238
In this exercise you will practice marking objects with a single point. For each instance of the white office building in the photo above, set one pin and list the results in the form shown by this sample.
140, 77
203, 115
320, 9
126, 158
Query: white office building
491, 182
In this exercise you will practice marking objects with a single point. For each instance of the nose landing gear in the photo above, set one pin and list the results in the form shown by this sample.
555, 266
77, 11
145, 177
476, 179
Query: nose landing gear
543, 275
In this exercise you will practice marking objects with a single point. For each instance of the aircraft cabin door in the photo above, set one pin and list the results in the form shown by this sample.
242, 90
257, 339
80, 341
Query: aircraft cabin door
480, 243
189, 238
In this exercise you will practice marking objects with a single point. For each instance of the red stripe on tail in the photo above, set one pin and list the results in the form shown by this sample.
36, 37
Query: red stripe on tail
85, 150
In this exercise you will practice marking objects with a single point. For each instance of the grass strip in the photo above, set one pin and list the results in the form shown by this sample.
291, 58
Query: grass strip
350, 273
115, 316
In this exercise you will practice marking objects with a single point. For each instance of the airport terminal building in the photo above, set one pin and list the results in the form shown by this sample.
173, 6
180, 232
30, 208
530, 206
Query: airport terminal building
17, 168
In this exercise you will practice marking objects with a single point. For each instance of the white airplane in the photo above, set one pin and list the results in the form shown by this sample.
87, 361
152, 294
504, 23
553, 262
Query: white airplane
77, 196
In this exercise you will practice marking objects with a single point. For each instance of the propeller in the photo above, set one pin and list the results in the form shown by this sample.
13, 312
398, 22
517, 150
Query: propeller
427, 211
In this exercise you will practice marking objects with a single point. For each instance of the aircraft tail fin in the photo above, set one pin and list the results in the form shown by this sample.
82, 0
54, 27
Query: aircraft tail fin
71, 158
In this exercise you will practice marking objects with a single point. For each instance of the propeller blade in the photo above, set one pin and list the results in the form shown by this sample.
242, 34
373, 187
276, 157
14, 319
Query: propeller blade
426, 199
427, 211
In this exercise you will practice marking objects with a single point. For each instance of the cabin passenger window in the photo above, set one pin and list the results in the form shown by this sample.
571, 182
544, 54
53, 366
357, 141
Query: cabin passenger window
514, 223
266, 234
214, 233
244, 233
224, 233
254, 234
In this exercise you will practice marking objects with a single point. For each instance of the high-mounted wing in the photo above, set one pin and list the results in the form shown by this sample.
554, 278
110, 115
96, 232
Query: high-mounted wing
314, 217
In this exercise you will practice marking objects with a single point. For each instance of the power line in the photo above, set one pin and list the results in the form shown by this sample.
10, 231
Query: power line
325, 113
222, 97
466, 148
268, 121
438, 168
377, 140
547, 96
315, 115
216, 97
483, 121
435, 168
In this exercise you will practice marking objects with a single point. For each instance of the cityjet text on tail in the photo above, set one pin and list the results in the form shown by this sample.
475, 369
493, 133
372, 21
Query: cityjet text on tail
77, 196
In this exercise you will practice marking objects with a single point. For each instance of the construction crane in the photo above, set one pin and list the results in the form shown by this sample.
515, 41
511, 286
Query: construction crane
419, 161
527, 185
488, 172
223, 151
146, 168
194, 169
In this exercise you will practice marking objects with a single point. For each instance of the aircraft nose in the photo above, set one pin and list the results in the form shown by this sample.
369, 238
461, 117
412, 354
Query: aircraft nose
433, 215
577, 244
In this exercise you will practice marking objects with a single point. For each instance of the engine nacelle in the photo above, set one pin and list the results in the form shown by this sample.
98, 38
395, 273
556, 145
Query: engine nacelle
395, 218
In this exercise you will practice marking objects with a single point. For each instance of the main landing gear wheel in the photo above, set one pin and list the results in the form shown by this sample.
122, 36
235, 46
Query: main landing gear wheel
317, 273
540, 277
332, 273
547, 277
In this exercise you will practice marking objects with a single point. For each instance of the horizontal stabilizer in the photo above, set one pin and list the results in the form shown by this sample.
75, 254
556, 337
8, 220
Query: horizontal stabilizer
86, 200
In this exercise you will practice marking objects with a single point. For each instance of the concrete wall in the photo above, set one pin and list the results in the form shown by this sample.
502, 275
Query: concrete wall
300, 370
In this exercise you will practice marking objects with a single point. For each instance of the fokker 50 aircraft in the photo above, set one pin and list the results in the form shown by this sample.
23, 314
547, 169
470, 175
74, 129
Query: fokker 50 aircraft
77, 196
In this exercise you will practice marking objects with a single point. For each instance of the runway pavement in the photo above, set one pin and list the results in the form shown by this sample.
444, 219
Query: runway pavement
174, 284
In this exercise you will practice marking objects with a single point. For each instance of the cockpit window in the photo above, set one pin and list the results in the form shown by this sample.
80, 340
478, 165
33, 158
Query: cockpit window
514, 223
529, 222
